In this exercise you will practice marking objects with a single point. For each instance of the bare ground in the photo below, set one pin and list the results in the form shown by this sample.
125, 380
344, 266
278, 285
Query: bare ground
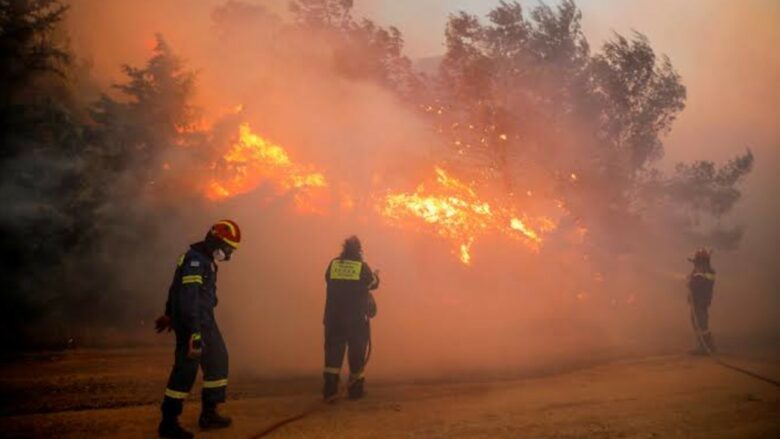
115, 393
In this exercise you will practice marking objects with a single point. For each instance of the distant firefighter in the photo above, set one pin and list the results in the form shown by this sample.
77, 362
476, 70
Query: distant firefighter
700, 286
189, 312
348, 307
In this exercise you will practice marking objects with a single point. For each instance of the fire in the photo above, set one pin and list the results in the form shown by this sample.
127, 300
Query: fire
454, 211
520, 226
252, 160
444, 206
465, 255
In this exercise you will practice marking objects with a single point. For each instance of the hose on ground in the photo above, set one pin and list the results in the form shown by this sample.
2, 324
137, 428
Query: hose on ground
702, 342
317, 405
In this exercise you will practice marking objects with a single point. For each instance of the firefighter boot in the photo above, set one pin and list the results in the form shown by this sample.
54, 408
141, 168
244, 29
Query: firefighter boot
210, 419
170, 428
709, 342
331, 386
356, 389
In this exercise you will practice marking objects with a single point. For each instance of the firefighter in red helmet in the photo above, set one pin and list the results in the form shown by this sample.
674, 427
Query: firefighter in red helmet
701, 282
189, 312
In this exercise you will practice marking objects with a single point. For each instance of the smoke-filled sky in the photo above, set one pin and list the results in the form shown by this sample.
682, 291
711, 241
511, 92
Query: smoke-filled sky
724, 50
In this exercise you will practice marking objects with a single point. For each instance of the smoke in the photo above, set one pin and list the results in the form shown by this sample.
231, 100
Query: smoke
511, 307
731, 68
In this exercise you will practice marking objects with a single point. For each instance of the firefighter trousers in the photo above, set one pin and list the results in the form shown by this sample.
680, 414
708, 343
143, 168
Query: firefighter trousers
213, 361
352, 337
700, 319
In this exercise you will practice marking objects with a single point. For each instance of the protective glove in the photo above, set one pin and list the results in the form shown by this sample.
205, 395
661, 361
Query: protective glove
195, 347
375, 283
162, 323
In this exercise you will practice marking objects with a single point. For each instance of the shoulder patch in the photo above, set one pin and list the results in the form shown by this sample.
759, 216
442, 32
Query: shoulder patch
195, 263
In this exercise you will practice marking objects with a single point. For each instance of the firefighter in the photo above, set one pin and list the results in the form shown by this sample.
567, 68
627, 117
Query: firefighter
700, 286
348, 307
189, 312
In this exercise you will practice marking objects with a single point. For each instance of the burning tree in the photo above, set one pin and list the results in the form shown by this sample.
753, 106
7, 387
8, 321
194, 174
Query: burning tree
524, 98
541, 140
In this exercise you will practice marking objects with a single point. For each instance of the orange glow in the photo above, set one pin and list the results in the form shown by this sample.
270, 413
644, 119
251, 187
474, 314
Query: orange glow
252, 160
454, 211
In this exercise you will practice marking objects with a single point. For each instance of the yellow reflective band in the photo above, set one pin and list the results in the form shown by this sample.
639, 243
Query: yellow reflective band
192, 279
708, 276
356, 376
332, 370
211, 384
180, 261
345, 270
175, 394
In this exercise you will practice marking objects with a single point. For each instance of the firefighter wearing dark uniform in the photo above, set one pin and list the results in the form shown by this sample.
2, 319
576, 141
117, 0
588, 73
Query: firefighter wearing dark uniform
189, 312
700, 286
348, 307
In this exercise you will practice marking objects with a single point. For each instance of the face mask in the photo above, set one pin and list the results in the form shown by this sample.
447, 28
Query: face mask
219, 255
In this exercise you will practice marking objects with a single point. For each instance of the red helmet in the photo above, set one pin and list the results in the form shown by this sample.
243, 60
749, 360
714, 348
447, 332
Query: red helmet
701, 255
226, 231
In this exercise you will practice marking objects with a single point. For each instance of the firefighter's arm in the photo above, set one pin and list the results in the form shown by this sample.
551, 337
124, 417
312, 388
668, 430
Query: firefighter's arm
375, 282
192, 278
369, 277
164, 321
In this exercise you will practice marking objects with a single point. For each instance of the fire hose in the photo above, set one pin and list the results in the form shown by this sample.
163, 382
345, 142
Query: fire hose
711, 354
317, 405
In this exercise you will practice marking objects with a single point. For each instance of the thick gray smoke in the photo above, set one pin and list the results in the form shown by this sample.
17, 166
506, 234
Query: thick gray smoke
511, 307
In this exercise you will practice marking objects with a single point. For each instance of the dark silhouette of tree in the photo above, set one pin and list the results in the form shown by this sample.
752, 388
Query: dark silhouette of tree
512, 82
362, 49
149, 118
640, 99
323, 13
27, 46
524, 91
703, 188
41, 133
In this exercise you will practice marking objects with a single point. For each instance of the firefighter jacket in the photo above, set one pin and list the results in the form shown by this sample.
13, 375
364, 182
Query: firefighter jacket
192, 295
348, 285
701, 284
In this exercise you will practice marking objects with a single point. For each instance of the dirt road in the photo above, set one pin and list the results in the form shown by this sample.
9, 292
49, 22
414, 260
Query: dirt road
101, 394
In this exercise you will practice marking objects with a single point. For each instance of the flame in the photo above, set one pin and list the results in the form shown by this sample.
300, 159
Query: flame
454, 211
520, 226
252, 160
444, 205
465, 253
